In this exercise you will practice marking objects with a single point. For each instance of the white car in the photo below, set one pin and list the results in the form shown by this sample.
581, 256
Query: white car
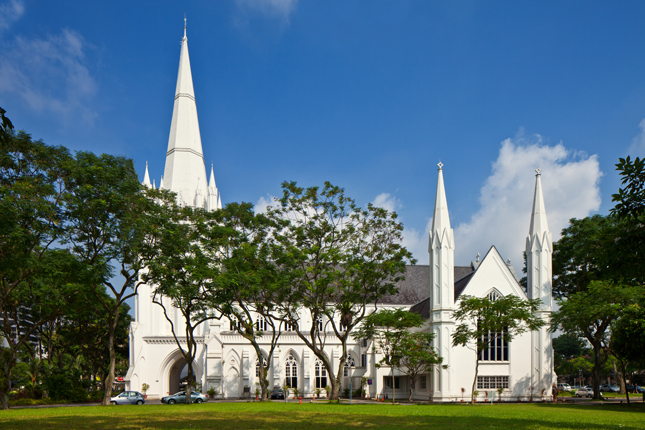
584, 392
564, 387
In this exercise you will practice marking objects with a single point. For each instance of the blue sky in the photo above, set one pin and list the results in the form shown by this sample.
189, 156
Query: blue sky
369, 95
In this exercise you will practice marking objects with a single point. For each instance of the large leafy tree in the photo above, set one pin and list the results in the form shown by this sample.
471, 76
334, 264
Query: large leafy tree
245, 284
110, 216
586, 252
628, 338
589, 314
35, 277
479, 320
180, 271
630, 208
416, 355
339, 259
387, 328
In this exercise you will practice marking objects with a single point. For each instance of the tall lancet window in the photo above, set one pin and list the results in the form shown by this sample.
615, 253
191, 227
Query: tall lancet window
291, 372
496, 342
321, 374
257, 366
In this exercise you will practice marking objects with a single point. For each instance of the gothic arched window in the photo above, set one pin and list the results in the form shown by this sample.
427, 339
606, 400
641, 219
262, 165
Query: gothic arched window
291, 372
321, 374
257, 366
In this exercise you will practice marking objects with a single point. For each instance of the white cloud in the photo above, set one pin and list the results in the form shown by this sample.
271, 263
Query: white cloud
10, 12
280, 9
264, 202
637, 149
387, 202
50, 75
570, 185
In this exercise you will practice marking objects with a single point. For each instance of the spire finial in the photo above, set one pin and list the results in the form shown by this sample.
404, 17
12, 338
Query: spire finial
440, 165
538, 172
184, 25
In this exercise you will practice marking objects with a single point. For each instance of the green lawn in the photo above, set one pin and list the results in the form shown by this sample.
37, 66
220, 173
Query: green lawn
278, 415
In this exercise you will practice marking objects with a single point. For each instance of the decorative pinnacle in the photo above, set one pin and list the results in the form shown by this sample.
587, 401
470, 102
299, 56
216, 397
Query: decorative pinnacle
440, 165
538, 172
184, 25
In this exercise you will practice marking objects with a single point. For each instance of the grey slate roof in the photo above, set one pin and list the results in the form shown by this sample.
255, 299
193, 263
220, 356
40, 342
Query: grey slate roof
462, 277
416, 285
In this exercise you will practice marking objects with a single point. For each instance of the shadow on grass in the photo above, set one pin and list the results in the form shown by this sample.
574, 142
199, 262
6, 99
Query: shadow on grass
183, 418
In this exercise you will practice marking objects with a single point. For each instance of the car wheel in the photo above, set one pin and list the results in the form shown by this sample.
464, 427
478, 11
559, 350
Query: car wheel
198, 401
113, 403
139, 402
171, 401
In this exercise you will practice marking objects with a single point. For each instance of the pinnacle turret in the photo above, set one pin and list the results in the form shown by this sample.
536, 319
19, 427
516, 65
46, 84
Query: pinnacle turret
539, 223
146, 177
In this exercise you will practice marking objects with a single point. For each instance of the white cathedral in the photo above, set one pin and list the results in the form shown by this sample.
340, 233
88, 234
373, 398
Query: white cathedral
225, 361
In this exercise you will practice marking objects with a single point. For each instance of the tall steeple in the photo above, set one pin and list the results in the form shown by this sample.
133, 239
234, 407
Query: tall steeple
146, 177
539, 277
442, 250
539, 249
185, 171
442, 287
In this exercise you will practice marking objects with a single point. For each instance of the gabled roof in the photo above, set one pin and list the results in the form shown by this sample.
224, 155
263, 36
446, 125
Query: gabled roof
416, 286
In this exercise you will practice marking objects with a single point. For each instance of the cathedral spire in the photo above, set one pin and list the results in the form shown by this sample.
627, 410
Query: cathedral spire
146, 177
211, 182
539, 224
184, 158
440, 217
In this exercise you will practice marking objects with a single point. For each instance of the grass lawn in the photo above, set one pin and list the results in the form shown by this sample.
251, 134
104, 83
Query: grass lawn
278, 415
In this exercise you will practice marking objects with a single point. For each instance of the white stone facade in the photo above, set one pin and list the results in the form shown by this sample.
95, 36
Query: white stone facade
227, 361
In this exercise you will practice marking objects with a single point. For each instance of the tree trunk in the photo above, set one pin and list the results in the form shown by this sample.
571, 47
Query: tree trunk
7, 359
596, 371
472, 391
109, 380
622, 369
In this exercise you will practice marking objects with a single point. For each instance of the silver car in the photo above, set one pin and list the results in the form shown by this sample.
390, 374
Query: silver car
128, 398
584, 392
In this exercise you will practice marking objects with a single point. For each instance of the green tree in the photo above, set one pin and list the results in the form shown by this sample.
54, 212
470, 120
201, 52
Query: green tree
110, 215
585, 253
568, 346
630, 208
180, 271
628, 338
589, 314
339, 260
479, 320
35, 277
387, 328
416, 355
6, 127
244, 281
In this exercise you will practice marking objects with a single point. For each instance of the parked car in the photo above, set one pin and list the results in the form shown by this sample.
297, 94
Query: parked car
128, 398
180, 397
584, 392
604, 388
634, 389
277, 394
564, 387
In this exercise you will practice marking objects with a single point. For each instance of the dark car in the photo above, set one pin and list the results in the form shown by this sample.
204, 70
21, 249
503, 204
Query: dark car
128, 398
634, 389
604, 388
277, 394
180, 397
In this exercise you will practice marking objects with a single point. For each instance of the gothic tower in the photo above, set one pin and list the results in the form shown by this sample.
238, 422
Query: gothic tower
539, 250
441, 248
